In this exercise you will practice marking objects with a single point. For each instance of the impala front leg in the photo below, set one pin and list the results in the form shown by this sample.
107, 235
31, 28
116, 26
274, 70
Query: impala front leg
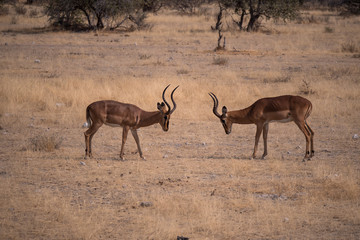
136, 137
259, 128
265, 134
124, 137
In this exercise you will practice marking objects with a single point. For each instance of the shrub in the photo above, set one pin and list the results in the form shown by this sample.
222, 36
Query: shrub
97, 14
351, 7
186, 6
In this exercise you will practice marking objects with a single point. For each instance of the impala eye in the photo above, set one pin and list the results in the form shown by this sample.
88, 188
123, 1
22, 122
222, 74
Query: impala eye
165, 117
222, 121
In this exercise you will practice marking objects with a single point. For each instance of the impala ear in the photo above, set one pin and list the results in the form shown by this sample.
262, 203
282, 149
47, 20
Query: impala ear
224, 110
160, 105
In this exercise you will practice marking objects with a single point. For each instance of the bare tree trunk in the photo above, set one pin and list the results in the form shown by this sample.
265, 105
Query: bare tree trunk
219, 39
219, 18
99, 24
252, 21
242, 19
254, 15
87, 17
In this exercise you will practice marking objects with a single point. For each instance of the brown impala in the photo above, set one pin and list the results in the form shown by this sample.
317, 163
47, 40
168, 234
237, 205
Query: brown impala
127, 116
265, 110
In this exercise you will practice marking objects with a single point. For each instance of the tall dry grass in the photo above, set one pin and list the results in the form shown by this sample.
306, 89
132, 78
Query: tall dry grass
71, 95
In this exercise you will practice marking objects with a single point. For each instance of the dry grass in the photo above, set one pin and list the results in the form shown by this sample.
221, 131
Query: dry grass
199, 182
45, 143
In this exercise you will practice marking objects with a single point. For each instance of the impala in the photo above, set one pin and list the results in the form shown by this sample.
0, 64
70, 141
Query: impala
265, 110
127, 116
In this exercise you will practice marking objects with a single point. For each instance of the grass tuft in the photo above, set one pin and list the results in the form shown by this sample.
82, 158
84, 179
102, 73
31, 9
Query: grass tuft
45, 143
221, 61
305, 88
350, 47
182, 71
329, 30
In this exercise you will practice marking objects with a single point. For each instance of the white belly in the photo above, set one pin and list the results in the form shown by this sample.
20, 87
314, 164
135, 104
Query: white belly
112, 125
286, 120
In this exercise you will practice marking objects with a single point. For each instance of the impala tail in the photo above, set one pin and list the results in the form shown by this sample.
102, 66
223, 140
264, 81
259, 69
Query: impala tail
87, 124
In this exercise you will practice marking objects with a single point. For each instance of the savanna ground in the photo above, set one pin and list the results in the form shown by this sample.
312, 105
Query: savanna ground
197, 181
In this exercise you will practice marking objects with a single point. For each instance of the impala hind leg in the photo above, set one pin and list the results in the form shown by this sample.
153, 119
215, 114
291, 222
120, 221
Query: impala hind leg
307, 134
124, 137
88, 137
312, 153
136, 137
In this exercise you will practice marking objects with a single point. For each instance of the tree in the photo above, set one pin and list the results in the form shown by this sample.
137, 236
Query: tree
255, 9
13, 2
186, 6
152, 5
93, 13
351, 7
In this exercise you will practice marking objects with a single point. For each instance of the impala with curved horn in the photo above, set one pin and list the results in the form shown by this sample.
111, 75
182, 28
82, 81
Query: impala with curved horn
265, 110
127, 116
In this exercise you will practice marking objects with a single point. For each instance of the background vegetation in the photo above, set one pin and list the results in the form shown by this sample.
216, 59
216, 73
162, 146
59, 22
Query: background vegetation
113, 14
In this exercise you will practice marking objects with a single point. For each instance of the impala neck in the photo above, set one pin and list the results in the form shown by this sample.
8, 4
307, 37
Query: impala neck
240, 116
149, 118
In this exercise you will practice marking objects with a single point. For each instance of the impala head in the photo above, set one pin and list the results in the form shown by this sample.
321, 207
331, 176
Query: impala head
166, 110
225, 121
